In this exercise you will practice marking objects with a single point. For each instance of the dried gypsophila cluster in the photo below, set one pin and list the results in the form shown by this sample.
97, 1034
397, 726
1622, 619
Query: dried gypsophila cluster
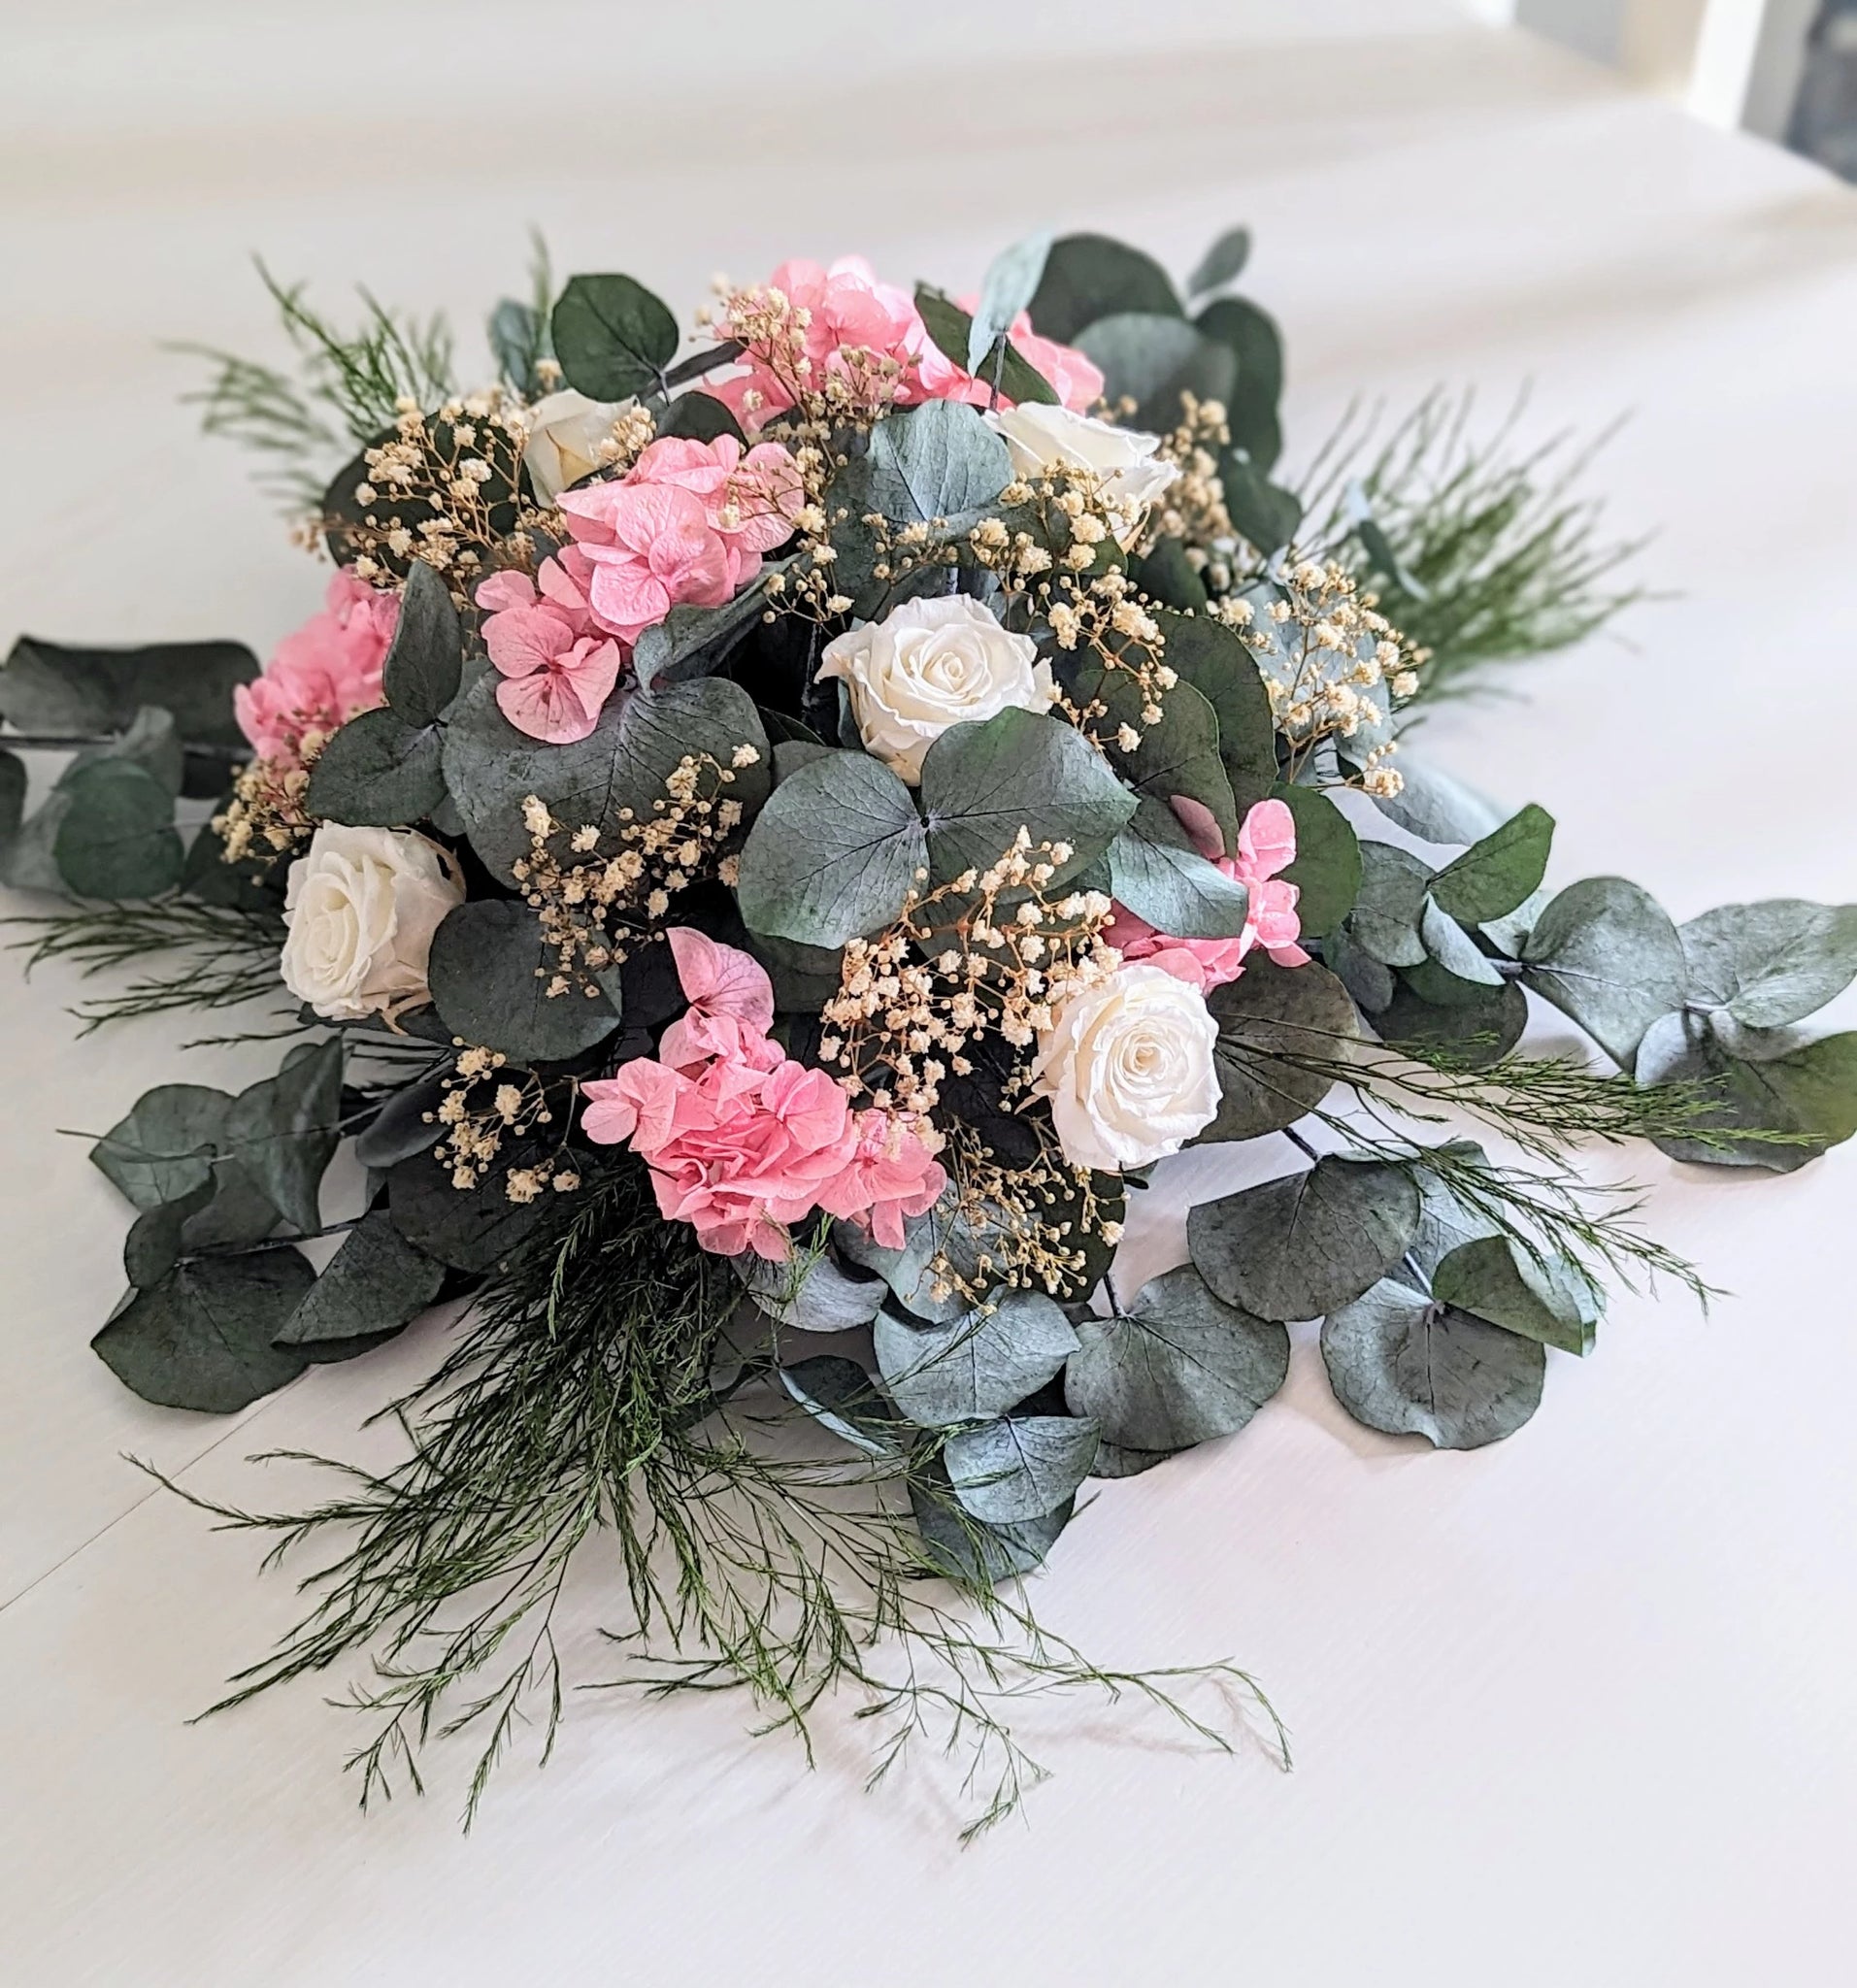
446, 462
1325, 650
1056, 572
268, 809
1193, 507
855, 391
474, 1128
914, 999
1020, 1241
592, 911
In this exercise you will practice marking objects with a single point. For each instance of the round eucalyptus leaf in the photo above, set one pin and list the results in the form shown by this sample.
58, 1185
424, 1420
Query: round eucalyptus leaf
116, 837
624, 762
425, 661
375, 1283
951, 329
1497, 873
490, 970
834, 853
1268, 1019
977, 1366
164, 1148
1177, 758
837, 1394
1175, 889
407, 1124
982, 784
284, 1128
1299, 1246
1180, 1367
1020, 1466
1155, 360
1400, 1363
1222, 263
612, 337
1384, 921
203, 1337
810, 1292
939, 460
1771, 963
1476, 1032
1806, 1092
1604, 952
967, 1550
378, 771
1215, 661
465, 1228
1453, 949
1088, 277
1491, 1279
1251, 408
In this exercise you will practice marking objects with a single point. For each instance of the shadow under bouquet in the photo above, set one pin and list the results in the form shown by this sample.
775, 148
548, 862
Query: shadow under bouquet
764, 852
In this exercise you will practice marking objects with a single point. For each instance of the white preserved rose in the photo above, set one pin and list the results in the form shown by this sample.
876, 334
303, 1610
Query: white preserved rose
362, 906
928, 665
1039, 435
1127, 1065
565, 433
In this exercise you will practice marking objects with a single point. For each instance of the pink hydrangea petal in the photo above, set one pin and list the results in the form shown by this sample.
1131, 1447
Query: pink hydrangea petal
1266, 839
1201, 825
522, 640
721, 980
549, 705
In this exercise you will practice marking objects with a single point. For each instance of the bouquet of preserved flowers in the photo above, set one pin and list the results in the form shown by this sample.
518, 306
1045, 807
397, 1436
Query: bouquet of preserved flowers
767, 850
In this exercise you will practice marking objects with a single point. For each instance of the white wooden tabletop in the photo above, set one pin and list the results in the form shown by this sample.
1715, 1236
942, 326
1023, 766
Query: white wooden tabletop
1575, 1707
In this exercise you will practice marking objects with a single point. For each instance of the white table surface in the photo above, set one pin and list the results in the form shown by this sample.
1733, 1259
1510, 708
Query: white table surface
1575, 1708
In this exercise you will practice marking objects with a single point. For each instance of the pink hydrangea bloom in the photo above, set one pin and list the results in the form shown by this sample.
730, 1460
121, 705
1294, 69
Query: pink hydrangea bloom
741, 1138
853, 317
1266, 845
328, 672
558, 667
686, 525
848, 312
1076, 382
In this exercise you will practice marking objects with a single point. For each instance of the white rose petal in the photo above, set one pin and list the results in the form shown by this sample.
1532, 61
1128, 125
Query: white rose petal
1039, 437
361, 909
928, 665
565, 433
1127, 1065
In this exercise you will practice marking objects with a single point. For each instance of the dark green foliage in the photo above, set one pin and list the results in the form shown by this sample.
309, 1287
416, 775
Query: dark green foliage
490, 970
204, 1336
1179, 1367
1302, 1245
375, 1284
1087, 277
1283, 1034
612, 337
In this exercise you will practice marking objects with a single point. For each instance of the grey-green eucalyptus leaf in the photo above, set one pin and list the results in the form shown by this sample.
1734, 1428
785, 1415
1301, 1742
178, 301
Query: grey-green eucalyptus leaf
1155, 360
982, 784
1401, 1362
837, 1394
810, 1292
1605, 952
1020, 1466
1804, 1091
1269, 1020
1088, 277
425, 659
490, 969
967, 1550
1770, 963
1222, 263
1497, 873
1385, 917
1491, 1279
1453, 949
834, 853
163, 1149
1179, 1367
978, 1365
375, 1283
1009, 285
285, 1130
612, 337
1302, 1245
378, 771
1327, 869
1157, 873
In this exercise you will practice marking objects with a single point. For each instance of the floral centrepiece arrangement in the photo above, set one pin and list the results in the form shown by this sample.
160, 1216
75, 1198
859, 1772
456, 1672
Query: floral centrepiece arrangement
767, 851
